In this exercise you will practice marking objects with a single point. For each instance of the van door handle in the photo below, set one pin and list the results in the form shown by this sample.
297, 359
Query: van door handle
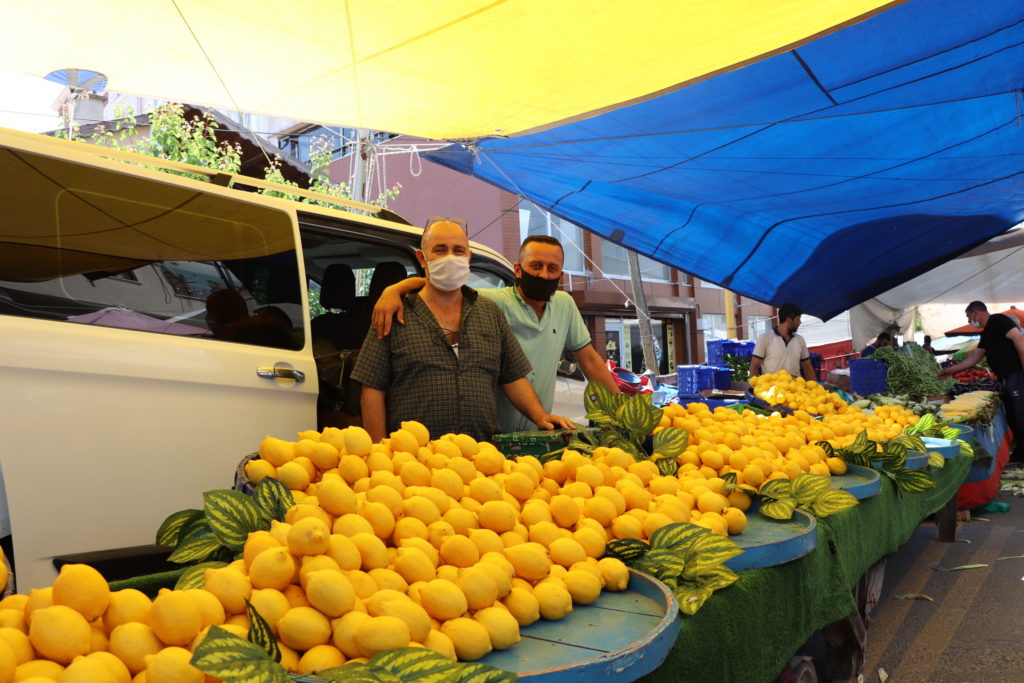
281, 373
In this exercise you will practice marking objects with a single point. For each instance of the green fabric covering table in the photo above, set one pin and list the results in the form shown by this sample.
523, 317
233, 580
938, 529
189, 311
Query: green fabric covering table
747, 632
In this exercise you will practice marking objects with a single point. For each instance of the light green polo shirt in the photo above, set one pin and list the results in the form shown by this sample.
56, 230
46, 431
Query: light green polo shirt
561, 327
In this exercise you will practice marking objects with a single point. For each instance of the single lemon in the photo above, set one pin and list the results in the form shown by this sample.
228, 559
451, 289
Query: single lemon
172, 665
344, 632
83, 589
271, 604
470, 638
554, 599
440, 643
318, 658
275, 568
529, 560
414, 616
230, 586
330, 592
479, 588
131, 642
309, 536
126, 605
523, 605
59, 633
379, 634
502, 627
357, 441
175, 617
303, 627
583, 586
211, 612
443, 599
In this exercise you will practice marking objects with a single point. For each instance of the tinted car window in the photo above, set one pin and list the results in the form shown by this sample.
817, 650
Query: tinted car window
93, 246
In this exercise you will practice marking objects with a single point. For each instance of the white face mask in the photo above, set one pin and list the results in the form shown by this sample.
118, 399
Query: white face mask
448, 273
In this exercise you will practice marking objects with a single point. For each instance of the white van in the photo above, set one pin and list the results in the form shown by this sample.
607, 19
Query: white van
124, 394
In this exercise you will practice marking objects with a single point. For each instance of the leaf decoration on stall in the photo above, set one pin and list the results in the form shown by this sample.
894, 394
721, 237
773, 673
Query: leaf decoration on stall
260, 633
232, 515
273, 499
224, 655
200, 545
811, 492
687, 558
415, 664
195, 576
171, 531
889, 457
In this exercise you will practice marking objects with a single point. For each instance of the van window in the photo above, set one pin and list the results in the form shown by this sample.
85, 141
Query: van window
94, 246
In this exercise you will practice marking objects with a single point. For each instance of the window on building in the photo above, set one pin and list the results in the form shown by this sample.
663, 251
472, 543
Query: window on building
623, 344
708, 285
340, 142
714, 326
615, 263
758, 325
533, 220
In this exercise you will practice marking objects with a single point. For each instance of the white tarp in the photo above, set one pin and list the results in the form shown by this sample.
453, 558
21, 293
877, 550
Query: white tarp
992, 272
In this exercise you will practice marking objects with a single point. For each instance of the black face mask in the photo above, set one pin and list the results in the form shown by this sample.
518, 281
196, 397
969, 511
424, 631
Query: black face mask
537, 288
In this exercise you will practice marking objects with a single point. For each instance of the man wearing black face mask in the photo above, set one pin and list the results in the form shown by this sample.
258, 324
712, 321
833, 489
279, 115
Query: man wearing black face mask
543, 319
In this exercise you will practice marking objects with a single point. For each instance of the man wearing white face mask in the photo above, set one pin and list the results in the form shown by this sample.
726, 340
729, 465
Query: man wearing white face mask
444, 366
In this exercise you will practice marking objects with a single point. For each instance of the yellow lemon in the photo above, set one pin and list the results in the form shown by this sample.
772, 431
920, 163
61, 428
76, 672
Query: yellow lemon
372, 551
523, 605
85, 670
379, 634
59, 633
501, 626
459, 551
487, 460
414, 565
276, 451
616, 574
470, 638
83, 589
405, 441
309, 536
529, 560
583, 586
271, 604
418, 430
131, 642
566, 551
440, 643
479, 588
352, 468
466, 444
303, 627
343, 551
330, 592
443, 599
735, 520
554, 599
230, 586
172, 665
275, 567
211, 612
357, 441
344, 633
126, 605
318, 658
175, 617
258, 469
497, 515
414, 616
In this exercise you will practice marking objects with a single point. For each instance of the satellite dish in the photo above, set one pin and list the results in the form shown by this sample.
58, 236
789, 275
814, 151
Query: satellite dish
79, 80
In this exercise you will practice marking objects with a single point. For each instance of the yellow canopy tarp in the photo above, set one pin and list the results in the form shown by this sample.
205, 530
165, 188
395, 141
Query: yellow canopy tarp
441, 69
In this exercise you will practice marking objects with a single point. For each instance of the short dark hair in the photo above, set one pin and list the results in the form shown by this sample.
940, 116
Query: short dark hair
543, 239
884, 336
787, 311
927, 339
976, 307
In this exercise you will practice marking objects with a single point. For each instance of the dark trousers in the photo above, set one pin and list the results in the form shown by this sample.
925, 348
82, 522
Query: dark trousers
1013, 402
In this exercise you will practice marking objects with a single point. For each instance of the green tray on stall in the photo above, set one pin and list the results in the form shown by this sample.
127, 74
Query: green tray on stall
535, 443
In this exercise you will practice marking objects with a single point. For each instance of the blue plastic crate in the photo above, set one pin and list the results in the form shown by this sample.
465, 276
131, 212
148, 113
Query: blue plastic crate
867, 376
723, 377
694, 378
715, 353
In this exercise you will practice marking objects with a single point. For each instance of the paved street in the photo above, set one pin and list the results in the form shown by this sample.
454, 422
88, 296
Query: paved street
974, 629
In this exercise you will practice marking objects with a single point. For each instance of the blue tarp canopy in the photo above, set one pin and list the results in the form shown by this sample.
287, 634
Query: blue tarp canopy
824, 175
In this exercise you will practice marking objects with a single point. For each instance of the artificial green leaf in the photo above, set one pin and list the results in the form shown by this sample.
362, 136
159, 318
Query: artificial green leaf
599, 397
198, 547
936, 460
924, 423
677, 535
599, 418
913, 481
830, 451
718, 577
806, 487
966, 449
626, 549
670, 441
483, 673
707, 552
691, 597
232, 515
358, 672
661, 564
409, 663
273, 499
260, 633
667, 467
578, 446
779, 509
831, 502
632, 416
195, 576
618, 441
170, 531
730, 482
896, 448
776, 488
950, 433
224, 655
861, 442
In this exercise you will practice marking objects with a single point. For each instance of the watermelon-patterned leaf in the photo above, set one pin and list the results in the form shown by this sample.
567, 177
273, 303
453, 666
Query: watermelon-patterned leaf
599, 418
718, 577
260, 633
831, 502
830, 451
170, 532
861, 442
677, 536
272, 498
201, 545
708, 552
691, 597
224, 655
924, 423
632, 417
777, 489
966, 449
779, 509
598, 397
358, 672
626, 549
667, 466
232, 515
416, 664
936, 460
729, 479
913, 481
483, 673
670, 441
806, 487
662, 564
195, 576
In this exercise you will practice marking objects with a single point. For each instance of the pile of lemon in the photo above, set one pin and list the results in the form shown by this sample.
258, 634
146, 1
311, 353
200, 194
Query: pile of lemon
781, 388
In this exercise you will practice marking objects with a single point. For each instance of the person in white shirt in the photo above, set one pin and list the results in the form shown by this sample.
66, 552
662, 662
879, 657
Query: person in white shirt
783, 348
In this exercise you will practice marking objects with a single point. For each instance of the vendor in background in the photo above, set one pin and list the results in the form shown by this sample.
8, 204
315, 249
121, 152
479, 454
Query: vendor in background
543, 319
881, 341
1002, 345
783, 348
927, 346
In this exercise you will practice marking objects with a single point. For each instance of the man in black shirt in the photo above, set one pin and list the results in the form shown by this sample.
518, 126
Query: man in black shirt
1002, 345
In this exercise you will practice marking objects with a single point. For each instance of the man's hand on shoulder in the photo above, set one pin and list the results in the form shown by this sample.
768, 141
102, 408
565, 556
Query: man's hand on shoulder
550, 422
389, 305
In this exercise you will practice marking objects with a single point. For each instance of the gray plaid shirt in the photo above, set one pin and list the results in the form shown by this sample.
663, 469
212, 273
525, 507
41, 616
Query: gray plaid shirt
426, 381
